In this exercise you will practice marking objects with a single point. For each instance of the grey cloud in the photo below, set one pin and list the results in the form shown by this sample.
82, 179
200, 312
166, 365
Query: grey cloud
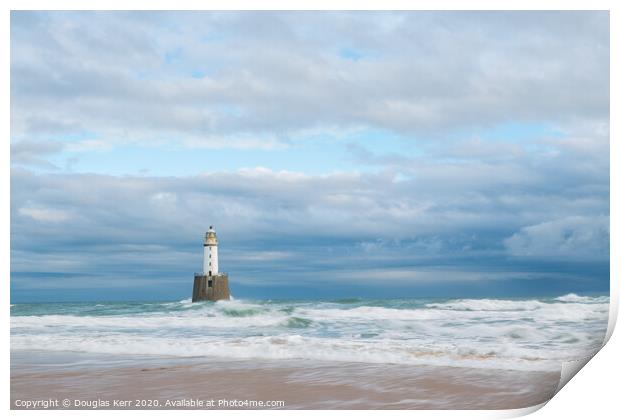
274, 72
445, 210
571, 237
34, 153
266, 78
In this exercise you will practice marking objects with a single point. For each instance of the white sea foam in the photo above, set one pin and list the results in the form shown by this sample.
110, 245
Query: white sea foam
374, 313
150, 322
289, 347
510, 334
571, 297
488, 305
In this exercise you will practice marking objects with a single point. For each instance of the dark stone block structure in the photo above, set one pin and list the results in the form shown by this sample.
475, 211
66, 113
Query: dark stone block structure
214, 287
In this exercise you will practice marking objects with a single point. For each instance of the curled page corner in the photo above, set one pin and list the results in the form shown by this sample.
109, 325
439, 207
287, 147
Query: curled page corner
570, 369
613, 317
520, 412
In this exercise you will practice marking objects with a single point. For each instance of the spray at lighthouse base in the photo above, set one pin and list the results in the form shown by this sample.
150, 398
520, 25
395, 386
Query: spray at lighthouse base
210, 284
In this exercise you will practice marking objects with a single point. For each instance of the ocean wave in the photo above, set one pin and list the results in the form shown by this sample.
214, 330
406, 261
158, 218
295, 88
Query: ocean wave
349, 300
570, 308
369, 313
481, 314
295, 322
205, 321
294, 347
488, 305
516, 334
573, 298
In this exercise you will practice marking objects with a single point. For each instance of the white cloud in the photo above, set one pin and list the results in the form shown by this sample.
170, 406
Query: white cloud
270, 75
267, 80
45, 215
87, 146
570, 237
35, 153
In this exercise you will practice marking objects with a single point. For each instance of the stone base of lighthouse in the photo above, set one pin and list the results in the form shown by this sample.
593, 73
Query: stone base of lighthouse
213, 287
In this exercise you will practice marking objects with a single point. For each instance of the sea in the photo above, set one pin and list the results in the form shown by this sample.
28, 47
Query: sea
531, 334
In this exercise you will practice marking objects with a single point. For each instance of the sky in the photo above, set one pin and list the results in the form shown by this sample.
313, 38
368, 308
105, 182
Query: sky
337, 154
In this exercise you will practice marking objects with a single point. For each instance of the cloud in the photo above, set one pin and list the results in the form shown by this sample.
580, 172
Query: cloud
270, 221
87, 146
272, 75
570, 237
418, 104
34, 153
44, 215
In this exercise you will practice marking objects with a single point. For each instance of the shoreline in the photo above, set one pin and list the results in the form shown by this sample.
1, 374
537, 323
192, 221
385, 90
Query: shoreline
301, 384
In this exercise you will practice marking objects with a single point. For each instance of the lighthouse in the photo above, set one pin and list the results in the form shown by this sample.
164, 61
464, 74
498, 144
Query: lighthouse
210, 284
209, 263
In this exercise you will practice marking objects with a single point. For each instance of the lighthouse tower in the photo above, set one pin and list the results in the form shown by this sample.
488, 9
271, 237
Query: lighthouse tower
209, 263
210, 284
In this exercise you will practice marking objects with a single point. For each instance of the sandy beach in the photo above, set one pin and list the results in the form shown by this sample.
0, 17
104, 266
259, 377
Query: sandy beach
178, 383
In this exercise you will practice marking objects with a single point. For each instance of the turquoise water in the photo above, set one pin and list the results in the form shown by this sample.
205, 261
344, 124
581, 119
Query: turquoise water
524, 334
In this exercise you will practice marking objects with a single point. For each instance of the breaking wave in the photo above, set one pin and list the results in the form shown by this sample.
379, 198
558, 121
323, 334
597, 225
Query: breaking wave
526, 334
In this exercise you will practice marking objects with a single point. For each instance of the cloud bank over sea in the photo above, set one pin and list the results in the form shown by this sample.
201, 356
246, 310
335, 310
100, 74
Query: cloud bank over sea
431, 153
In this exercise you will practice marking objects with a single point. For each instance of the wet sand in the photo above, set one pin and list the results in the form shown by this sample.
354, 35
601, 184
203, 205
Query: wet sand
300, 384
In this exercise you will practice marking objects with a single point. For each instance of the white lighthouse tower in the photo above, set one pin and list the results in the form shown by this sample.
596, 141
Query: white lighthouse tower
210, 284
209, 263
